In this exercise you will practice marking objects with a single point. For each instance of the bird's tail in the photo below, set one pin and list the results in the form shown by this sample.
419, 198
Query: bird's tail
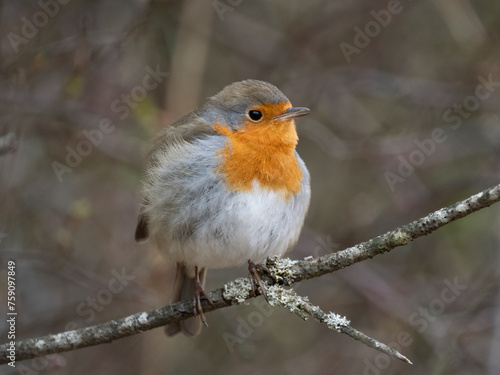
184, 287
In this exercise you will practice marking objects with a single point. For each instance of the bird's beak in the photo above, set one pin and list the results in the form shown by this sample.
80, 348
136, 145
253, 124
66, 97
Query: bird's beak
292, 113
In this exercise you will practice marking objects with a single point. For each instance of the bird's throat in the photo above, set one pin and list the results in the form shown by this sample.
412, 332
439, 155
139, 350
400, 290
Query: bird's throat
264, 153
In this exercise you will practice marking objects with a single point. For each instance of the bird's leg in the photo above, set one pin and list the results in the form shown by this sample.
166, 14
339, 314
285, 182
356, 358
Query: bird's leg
253, 275
198, 292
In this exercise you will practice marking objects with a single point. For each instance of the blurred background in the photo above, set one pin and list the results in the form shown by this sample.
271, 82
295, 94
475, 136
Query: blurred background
405, 102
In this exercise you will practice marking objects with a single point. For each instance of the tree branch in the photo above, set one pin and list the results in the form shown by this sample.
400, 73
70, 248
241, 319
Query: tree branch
283, 271
304, 309
307, 269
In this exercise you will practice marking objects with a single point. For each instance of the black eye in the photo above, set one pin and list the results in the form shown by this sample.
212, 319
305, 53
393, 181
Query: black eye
255, 115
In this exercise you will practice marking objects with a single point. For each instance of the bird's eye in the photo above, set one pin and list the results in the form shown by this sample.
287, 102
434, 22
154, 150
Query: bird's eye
255, 115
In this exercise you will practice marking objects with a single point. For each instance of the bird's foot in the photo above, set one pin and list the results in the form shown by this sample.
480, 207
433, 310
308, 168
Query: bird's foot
255, 279
198, 292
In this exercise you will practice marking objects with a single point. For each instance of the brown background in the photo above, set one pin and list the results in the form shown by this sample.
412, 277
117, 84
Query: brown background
369, 112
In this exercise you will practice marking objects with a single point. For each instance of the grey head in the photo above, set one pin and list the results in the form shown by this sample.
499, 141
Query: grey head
230, 106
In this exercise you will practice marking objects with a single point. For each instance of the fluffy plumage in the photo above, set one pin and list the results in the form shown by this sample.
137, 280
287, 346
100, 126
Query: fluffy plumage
221, 188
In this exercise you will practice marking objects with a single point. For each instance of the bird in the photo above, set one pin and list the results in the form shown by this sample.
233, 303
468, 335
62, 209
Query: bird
224, 186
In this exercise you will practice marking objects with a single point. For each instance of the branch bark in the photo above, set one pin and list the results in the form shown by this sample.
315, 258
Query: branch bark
283, 271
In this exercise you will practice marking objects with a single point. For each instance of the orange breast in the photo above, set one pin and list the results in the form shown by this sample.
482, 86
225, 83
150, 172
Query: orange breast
262, 152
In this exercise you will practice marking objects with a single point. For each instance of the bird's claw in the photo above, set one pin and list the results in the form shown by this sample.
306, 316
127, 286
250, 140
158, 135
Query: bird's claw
198, 292
255, 279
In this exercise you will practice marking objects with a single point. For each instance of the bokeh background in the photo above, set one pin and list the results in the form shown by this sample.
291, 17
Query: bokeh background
403, 122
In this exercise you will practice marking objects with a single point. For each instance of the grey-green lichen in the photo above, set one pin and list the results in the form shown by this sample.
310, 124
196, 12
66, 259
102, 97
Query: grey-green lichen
281, 269
401, 237
238, 290
287, 298
336, 321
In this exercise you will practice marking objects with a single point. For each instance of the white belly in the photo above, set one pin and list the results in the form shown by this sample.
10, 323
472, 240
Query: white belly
251, 225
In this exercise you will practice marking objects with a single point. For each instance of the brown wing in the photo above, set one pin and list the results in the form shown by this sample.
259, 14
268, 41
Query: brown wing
141, 230
187, 129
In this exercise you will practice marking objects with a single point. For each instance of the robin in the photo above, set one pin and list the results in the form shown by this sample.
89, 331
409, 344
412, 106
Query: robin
224, 186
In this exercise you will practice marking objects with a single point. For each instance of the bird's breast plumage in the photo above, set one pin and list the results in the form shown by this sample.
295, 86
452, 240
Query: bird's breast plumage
262, 153
200, 218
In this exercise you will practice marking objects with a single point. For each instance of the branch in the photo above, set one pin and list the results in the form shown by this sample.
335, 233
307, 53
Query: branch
307, 269
283, 271
301, 307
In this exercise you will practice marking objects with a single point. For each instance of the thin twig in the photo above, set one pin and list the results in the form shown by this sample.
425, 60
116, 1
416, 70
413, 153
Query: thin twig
284, 272
301, 307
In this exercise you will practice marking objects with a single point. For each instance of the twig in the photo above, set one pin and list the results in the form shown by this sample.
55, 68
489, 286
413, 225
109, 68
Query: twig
284, 271
301, 306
